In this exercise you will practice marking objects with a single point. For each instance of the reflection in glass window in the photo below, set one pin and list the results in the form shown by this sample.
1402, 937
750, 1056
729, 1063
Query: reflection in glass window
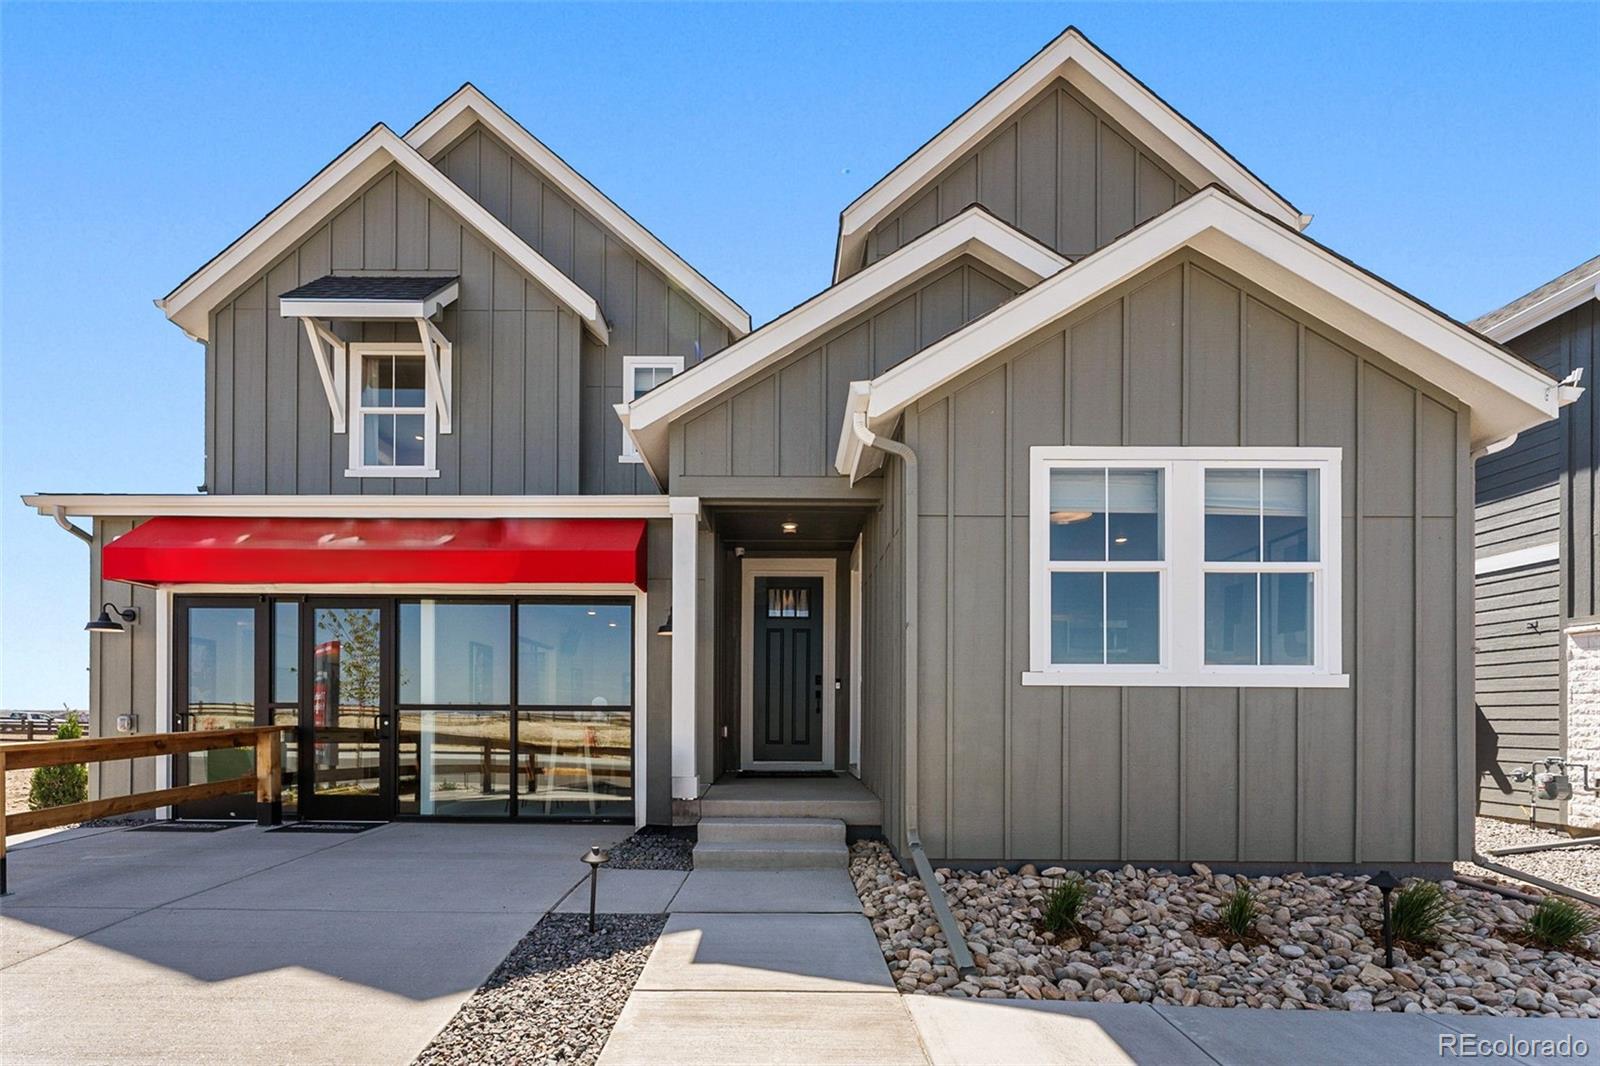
1104, 613
1259, 613
455, 653
574, 655
455, 763
575, 764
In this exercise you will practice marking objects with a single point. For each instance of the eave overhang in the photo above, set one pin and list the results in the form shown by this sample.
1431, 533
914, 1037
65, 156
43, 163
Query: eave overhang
974, 233
189, 305
1504, 393
1073, 58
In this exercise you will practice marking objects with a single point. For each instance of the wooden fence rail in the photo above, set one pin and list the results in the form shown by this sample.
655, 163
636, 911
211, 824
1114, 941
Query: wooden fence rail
266, 781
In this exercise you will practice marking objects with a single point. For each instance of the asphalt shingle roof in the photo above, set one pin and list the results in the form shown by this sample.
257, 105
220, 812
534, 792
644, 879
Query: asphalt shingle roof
1572, 277
369, 287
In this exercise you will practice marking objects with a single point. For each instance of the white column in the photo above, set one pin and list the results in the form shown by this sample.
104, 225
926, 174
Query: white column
685, 586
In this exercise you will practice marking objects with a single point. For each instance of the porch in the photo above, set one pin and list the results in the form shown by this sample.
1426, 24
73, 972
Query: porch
837, 796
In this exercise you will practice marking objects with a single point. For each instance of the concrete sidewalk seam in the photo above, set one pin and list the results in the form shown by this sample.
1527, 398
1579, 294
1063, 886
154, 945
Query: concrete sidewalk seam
1155, 1008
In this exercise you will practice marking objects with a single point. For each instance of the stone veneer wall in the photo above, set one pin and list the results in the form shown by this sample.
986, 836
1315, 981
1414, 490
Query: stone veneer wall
1583, 721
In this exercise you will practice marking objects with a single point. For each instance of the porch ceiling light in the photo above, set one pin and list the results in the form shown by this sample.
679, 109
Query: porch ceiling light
107, 624
790, 528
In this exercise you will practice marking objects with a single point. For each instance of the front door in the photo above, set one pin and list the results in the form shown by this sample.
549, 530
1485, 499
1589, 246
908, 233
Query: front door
786, 711
347, 770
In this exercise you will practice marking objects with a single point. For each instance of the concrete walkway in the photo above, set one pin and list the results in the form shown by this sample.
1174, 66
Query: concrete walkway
245, 946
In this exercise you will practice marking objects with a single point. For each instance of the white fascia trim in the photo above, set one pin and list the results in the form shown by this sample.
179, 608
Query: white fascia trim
372, 308
190, 304
264, 506
1511, 560
1071, 57
1505, 395
974, 232
1557, 303
468, 104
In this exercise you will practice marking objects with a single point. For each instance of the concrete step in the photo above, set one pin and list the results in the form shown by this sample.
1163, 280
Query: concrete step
775, 830
771, 855
851, 811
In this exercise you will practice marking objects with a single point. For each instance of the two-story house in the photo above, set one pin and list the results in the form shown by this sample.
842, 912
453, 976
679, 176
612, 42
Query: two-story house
1538, 582
1094, 512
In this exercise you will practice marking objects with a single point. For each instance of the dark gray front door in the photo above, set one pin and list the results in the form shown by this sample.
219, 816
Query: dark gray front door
787, 713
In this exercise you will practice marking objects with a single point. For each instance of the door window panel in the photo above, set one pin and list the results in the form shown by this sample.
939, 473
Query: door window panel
347, 679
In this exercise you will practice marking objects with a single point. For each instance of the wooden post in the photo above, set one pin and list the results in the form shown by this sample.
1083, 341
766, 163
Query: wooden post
3, 889
269, 783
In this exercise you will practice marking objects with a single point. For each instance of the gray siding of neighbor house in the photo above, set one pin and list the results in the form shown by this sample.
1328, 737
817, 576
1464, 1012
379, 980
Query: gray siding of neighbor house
516, 366
1540, 490
775, 436
1188, 354
1060, 171
122, 673
645, 313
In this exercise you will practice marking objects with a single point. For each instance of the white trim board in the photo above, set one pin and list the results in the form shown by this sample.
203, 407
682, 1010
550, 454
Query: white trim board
767, 567
1073, 58
190, 304
1579, 292
346, 506
974, 233
1505, 395
468, 105
1511, 560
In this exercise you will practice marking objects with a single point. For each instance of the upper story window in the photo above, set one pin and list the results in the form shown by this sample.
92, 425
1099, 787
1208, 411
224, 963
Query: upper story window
1185, 566
640, 374
393, 423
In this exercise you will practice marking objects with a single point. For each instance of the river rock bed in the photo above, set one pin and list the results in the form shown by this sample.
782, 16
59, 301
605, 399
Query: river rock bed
1137, 944
555, 997
651, 849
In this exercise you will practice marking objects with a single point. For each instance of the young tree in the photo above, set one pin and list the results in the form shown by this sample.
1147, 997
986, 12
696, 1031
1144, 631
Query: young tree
54, 785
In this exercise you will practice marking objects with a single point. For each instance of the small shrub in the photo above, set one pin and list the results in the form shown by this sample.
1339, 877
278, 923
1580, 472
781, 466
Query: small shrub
1559, 923
1239, 913
52, 786
1063, 905
1417, 912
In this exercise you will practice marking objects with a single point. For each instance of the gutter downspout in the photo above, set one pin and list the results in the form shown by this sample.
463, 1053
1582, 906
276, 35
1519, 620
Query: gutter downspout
59, 513
960, 954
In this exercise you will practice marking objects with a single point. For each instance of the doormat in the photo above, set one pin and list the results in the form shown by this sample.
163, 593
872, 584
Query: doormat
326, 827
187, 827
787, 773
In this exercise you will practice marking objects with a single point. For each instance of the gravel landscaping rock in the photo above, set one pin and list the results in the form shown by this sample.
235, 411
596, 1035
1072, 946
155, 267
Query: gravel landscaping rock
652, 850
555, 997
1136, 943
1578, 868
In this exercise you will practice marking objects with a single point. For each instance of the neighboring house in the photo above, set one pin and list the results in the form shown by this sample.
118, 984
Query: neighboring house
1538, 572
1093, 513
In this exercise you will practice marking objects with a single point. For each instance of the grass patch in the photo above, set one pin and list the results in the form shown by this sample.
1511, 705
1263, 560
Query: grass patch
1417, 912
1063, 905
1560, 924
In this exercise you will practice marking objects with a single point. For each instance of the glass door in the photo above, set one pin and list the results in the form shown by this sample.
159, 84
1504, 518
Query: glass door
346, 772
216, 672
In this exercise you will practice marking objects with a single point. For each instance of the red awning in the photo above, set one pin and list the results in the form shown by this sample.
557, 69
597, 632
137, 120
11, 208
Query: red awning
370, 551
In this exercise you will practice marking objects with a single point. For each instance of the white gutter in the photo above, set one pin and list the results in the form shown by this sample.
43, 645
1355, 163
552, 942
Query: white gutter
61, 505
60, 515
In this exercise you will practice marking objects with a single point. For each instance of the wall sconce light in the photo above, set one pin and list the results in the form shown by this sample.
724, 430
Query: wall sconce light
665, 628
107, 624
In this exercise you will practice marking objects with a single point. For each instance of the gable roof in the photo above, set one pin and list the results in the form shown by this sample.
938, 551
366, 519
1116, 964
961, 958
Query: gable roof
468, 105
1074, 58
974, 232
1553, 298
189, 305
1505, 393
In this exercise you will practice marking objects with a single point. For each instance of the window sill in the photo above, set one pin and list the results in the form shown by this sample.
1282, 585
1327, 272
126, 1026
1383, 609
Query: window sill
1160, 679
389, 471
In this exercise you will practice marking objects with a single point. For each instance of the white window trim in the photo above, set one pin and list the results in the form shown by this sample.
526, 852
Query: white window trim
1183, 582
356, 424
630, 363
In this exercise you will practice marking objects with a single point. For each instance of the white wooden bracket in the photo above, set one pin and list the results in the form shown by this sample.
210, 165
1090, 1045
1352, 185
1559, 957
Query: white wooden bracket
332, 356
436, 358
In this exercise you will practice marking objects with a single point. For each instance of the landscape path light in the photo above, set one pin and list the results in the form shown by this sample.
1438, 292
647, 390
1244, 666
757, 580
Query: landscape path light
594, 857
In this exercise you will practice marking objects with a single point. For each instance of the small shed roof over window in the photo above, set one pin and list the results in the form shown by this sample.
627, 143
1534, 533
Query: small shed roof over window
370, 296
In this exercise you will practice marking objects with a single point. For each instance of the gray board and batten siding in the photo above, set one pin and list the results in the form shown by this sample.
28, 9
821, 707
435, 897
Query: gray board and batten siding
1541, 490
532, 391
774, 435
1060, 170
1190, 354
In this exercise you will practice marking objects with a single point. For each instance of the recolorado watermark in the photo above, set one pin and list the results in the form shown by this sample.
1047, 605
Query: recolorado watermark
1473, 1046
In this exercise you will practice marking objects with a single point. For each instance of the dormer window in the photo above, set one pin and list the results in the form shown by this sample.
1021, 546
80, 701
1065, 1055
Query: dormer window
393, 431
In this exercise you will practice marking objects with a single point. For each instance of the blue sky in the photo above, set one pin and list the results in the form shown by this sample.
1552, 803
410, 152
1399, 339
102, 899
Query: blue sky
1453, 149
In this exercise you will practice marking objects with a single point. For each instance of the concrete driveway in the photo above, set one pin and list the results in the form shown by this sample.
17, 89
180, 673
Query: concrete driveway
253, 946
